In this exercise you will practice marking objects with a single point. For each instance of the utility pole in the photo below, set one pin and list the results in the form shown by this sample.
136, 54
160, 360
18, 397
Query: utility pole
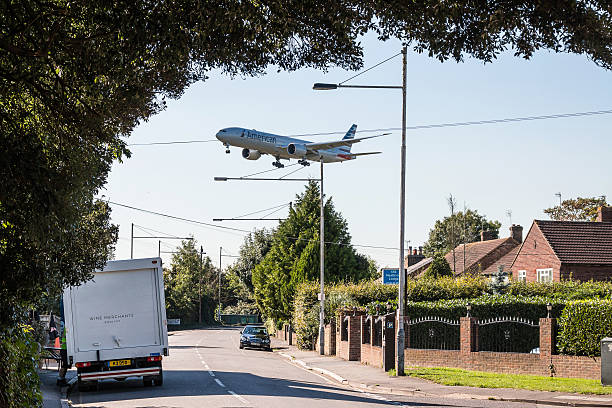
401, 341
322, 267
132, 243
200, 286
159, 248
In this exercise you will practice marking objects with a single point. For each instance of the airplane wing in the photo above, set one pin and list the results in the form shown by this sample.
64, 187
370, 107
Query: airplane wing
338, 143
353, 155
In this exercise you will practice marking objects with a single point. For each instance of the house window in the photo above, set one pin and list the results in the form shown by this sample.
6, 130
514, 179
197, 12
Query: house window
545, 275
522, 276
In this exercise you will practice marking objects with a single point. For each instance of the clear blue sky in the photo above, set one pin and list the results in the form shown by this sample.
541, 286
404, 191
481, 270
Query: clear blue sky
492, 168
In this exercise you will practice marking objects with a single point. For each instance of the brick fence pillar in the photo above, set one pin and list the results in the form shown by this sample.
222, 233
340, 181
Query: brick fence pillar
468, 335
354, 338
547, 337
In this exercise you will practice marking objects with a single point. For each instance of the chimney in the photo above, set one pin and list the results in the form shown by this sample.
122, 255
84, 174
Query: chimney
516, 232
604, 214
486, 235
410, 250
420, 250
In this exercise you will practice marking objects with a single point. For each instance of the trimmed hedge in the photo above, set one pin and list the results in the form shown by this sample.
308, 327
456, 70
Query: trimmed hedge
487, 306
582, 325
568, 290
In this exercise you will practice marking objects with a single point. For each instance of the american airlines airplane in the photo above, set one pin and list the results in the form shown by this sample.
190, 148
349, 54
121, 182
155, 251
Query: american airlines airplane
254, 144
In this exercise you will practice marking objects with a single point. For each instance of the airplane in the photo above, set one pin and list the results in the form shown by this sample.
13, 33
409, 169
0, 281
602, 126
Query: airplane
255, 144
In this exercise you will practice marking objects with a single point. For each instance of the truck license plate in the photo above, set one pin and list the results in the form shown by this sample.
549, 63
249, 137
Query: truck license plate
118, 363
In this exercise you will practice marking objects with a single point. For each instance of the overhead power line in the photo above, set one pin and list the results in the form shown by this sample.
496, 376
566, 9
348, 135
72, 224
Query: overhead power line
420, 127
237, 229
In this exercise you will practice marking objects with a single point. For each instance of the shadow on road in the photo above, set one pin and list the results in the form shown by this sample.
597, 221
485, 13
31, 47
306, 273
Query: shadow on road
190, 383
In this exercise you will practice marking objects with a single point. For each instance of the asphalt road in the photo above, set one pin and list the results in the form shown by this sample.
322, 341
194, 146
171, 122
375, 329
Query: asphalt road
206, 369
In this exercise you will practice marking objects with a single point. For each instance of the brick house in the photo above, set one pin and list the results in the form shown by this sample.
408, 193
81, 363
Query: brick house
485, 256
558, 250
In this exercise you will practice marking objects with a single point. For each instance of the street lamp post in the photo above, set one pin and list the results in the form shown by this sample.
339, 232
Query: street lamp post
322, 267
400, 340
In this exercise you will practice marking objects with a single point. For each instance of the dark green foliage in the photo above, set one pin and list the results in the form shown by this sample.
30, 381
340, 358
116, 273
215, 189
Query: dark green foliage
65, 255
499, 281
294, 255
439, 268
186, 281
19, 356
578, 209
252, 251
487, 306
562, 290
450, 230
582, 325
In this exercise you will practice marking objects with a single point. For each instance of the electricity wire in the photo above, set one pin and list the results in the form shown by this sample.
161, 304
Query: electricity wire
276, 208
427, 126
238, 229
371, 68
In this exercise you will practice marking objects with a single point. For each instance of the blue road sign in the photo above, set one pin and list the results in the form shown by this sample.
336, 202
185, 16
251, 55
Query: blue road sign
390, 276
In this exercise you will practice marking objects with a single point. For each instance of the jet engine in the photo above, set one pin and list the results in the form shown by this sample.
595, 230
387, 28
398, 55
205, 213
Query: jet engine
298, 150
251, 154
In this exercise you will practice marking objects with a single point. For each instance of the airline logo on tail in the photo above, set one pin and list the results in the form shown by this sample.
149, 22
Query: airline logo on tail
351, 132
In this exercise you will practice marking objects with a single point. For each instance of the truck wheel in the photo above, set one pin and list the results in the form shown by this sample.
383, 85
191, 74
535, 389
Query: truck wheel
147, 382
159, 380
82, 386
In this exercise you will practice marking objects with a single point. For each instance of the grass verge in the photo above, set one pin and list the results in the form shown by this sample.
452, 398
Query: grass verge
456, 376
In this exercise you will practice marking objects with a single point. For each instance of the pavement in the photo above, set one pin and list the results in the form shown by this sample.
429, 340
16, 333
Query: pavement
375, 380
53, 396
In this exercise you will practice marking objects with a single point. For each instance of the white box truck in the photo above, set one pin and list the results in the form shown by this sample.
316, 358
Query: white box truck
116, 323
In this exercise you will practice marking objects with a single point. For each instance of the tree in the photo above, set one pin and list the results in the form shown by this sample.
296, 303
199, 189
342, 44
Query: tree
463, 226
252, 251
499, 281
294, 255
187, 281
577, 209
35, 270
439, 267
77, 77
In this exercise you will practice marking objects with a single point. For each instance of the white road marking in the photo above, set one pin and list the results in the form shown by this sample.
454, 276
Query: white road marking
205, 365
211, 373
238, 397
218, 381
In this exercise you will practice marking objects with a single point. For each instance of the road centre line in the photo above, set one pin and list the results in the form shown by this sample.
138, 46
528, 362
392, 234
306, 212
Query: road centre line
212, 374
238, 397
218, 381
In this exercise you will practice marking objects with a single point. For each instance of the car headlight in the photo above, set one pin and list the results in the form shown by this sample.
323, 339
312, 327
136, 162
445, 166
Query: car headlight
242, 338
266, 340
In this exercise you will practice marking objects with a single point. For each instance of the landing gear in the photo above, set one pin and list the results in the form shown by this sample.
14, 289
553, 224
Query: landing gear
227, 150
304, 162
278, 164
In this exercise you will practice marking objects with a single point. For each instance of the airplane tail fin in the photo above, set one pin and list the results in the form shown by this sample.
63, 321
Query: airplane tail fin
351, 133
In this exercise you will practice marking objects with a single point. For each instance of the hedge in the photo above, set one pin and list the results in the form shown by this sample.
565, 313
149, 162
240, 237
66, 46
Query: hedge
448, 297
19, 381
582, 325
568, 290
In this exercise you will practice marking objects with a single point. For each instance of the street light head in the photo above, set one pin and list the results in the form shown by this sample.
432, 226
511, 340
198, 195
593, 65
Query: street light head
324, 87
220, 178
217, 219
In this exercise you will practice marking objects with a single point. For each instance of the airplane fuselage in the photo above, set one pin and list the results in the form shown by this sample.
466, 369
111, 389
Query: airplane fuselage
280, 147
